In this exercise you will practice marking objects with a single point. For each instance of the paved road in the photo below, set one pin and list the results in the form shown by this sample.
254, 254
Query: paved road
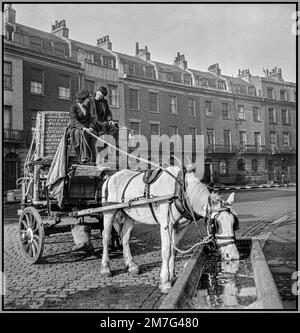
68, 280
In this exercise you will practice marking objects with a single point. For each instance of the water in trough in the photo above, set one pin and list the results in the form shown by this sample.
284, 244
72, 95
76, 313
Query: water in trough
226, 285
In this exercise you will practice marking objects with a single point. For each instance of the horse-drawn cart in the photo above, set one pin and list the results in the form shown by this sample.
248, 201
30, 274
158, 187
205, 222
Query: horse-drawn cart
40, 214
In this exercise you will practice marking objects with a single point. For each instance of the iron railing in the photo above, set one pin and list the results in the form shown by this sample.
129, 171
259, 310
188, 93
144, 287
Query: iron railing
209, 149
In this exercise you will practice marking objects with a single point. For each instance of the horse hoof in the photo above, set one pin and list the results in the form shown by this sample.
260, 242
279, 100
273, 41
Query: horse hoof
165, 288
105, 272
134, 270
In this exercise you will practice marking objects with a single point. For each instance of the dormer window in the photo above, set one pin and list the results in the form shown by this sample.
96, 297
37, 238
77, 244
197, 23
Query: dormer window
221, 85
187, 80
205, 83
97, 59
283, 95
197, 81
36, 43
59, 49
251, 91
108, 62
236, 89
169, 77
149, 72
89, 57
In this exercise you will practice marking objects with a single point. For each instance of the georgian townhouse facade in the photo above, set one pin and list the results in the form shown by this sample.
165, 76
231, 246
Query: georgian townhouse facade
248, 122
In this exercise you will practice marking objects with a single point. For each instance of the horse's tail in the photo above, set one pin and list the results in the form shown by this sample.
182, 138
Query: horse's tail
105, 190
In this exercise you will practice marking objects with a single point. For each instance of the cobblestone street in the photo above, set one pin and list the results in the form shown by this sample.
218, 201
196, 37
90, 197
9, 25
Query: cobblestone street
71, 280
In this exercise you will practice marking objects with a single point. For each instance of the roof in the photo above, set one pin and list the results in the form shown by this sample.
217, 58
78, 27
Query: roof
206, 75
38, 33
168, 68
131, 58
236, 80
88, 47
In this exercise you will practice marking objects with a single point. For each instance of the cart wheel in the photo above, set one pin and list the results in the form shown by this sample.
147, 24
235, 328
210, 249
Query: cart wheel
31, 235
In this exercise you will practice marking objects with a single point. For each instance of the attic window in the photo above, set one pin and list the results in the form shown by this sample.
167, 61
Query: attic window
36, 43
149, 73
205, 83
251, 91
236, 89
187, 80
59, 49
97, 59
108, 62
221, 85
169, 77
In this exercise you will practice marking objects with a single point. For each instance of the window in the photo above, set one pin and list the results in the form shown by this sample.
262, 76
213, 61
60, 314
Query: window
170, 77
221, 85
227, 138
243, 141
210, 137
135, 127
153, 99
272, 115
173, 130
97, 59
241, 112
59, 49
283, 95
36, 83
241, 164
149, 72
134, 99
256, 114
197, 81
64, 87
236, 89
205, 83
107, 61
89, 57
273, 140
191, 107
286, 140
187, 80
193, 133
251, 91
254, 166
7, 117
89, 85
154, 129
112, 95
257, 140
7, 75
223, 168
225, 111
36, 43
270, 93
131, 68
208, 108
173, 104
285, 117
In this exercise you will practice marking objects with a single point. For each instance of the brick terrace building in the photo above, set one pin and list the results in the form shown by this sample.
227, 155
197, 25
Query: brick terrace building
248, 121
39, 76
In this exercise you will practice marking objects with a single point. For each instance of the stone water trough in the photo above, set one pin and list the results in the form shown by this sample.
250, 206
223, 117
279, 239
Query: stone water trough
207, 283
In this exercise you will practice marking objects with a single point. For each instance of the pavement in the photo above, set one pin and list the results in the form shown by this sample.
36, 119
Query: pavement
71, 280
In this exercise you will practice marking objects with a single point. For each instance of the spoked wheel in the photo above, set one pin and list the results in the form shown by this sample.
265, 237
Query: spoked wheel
31, 235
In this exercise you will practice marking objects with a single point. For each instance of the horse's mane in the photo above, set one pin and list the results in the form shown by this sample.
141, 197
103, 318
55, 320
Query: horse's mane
197, 194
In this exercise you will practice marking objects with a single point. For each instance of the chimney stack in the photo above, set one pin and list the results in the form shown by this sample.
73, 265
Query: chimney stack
9, 14
104, 43
215, 69
180, 61
142, 53
60, 29
275, 73
244, 74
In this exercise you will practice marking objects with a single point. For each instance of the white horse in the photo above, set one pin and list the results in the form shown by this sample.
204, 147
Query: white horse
127, 185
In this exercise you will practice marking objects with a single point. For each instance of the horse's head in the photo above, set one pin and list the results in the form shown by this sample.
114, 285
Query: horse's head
222, 223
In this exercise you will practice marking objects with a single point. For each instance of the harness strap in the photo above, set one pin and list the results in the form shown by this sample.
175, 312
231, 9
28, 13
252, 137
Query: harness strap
125, 188
106, 190
153, 213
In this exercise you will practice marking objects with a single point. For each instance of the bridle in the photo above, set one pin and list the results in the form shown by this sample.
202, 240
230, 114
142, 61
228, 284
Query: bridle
211, 225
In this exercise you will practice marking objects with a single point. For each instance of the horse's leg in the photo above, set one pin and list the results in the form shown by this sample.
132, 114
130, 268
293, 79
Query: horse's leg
106, 234
126, 233
165, 284
176, 236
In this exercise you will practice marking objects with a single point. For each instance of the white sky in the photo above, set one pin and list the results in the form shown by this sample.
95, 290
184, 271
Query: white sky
253, 36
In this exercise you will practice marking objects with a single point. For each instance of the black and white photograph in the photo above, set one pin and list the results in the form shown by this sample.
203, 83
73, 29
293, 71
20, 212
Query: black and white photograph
149, 160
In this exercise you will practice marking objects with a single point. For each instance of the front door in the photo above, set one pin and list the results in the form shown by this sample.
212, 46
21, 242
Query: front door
10, 175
